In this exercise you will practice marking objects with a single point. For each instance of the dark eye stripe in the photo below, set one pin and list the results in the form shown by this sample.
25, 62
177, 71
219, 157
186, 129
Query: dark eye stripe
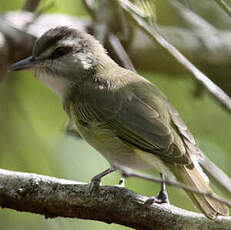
60, 51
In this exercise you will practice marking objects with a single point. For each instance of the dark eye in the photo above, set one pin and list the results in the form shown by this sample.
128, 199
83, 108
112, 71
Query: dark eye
60, 51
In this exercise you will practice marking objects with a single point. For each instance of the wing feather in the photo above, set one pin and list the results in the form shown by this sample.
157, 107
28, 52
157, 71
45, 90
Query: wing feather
139, 114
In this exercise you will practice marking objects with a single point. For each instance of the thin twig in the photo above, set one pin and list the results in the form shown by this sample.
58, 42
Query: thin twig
154, 33
38, 13
217, 176
224, 6
196, 22
31, 5
120, 52
90, 7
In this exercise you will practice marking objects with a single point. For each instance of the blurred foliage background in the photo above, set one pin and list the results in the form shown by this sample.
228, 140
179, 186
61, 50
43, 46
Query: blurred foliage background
32, 137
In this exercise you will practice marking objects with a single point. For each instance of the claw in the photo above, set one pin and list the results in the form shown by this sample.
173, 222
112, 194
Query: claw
96, 180
151, 200
94, 184
161, 198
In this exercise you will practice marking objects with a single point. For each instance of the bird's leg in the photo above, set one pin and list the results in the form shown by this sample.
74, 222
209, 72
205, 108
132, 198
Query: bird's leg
95, 181
163, 194
162, 197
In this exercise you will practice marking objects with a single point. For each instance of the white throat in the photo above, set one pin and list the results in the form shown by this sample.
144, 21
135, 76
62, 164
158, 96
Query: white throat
58, 84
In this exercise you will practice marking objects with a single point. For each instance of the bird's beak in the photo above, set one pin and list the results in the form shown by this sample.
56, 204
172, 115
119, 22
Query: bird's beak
25, 64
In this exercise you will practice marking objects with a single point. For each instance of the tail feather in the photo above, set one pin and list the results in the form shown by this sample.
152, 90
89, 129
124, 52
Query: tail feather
216, 176
194, 178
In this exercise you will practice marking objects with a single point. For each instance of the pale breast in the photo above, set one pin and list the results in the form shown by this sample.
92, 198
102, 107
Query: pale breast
119, 154
58, 84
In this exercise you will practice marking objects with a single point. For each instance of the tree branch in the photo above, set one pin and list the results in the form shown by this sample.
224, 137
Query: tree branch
31, 5
224, 6
121, 53
55, 197
152, 30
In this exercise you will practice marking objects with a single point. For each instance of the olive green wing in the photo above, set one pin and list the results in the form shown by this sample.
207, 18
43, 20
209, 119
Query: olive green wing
139, 115
142, 126
139, 123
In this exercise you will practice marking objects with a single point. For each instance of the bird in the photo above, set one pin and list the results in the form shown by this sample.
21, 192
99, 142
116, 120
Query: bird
122, 115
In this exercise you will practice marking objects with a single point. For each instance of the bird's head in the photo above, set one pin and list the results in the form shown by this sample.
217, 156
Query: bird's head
62, 57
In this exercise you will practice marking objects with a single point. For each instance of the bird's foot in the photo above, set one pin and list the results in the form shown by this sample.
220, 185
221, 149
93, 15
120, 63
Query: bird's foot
161, 198
94, 184
96, 180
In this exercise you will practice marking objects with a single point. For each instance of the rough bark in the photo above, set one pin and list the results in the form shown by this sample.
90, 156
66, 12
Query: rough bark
53, 197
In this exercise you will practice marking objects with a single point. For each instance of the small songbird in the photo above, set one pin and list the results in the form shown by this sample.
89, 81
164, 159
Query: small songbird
121, 114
